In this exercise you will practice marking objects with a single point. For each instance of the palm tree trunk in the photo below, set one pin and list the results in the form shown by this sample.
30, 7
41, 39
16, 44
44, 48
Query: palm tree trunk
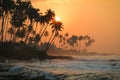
48, 43
51, 43
14, 35
2, 28
6, 27
40, 31
36, 26
44, 31
27, 37
28, 33
79, 46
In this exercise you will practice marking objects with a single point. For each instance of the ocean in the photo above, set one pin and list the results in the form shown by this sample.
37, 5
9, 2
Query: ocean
80, 69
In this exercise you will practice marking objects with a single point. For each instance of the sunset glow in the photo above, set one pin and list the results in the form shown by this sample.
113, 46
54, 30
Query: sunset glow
99, 19
57, 18
60, 39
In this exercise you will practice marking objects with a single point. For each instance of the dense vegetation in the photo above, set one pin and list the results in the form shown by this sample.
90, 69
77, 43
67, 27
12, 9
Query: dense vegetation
27, 32
22, 23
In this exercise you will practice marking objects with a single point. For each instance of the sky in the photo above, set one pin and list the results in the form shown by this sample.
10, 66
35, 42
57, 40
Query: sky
100, 19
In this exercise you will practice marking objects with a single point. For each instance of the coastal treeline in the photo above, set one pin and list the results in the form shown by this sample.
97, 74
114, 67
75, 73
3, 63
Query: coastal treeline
25, 31
21, 22
75, 42
23, 26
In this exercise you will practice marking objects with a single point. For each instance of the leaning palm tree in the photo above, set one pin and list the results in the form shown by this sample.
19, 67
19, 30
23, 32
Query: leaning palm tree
57, 26
45, 21
21, 33
32, 15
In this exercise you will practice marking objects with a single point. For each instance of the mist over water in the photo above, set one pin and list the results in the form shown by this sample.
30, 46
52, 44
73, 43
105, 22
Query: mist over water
84, 64
85, 67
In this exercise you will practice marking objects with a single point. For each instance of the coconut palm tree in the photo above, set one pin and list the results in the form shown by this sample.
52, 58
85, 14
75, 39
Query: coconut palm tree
86, 42
57, 26
45, 20
32, 15
65, 40
21, 33
6, 9
19, 17
89, 42
60, 37
72, 40
80, 38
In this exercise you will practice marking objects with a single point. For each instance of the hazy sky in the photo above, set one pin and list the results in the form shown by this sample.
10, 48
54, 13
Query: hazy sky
98, 18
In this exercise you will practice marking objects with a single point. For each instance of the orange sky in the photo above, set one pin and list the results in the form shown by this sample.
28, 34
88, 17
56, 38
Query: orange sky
98, 18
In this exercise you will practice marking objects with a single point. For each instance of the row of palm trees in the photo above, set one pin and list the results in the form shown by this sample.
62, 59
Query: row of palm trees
20, 21
79, 43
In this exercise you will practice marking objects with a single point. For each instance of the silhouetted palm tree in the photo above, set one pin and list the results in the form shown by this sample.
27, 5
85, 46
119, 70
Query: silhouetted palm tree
86, 41
6, 9
89, 42
20, 15
72, 40
80, 38
56, 27
65, 40
21, 33
60, 37
45, 20
32, 15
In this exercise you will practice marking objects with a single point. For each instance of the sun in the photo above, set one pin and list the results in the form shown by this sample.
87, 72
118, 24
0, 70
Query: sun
57, 18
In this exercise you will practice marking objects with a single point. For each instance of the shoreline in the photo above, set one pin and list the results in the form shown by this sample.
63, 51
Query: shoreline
13, 71
17, 72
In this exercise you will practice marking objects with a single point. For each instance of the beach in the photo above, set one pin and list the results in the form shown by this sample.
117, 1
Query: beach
84, 68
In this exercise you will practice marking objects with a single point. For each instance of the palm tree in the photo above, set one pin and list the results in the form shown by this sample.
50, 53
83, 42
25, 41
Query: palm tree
21, 33
19, 17
32, 15
6, 9
57, 26
60, 37
80, 38
72, 40
86, 42
65, 40
29, 30
89, 42
45, 20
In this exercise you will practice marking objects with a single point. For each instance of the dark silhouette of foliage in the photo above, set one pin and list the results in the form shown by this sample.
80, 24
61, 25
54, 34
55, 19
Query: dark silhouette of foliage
23, 28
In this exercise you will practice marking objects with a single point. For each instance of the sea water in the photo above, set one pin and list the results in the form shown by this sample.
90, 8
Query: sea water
83, 64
